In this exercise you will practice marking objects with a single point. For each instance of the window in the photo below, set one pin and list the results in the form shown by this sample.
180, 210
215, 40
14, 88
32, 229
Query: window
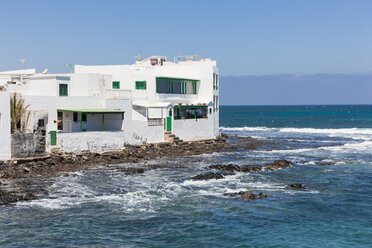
40, 123
176, 86
59, 121
116, 84
162, 85
196, 112
63, 90
216, 81
84, 117
140, 85
75, 116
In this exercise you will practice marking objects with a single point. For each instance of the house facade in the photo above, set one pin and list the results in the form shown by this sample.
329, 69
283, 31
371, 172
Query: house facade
99, 108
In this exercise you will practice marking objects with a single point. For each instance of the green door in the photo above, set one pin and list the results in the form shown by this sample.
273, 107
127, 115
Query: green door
53, 138
169, 123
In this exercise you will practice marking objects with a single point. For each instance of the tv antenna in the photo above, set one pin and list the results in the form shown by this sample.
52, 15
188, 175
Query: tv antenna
23, 61
69, 66
139, 56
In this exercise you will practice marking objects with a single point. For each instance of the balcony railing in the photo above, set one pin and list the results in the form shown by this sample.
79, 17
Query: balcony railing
155, 122
117, 94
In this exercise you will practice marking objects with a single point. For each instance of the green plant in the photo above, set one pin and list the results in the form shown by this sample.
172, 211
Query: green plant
18, 110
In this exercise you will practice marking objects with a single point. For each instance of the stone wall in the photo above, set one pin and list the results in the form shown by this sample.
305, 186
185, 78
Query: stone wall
28, 145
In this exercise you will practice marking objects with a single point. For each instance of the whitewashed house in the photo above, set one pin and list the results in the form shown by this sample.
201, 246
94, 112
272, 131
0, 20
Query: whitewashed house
183, 95
100, 108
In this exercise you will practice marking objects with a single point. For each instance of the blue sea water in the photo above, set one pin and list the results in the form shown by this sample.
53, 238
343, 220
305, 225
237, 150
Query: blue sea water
164, 208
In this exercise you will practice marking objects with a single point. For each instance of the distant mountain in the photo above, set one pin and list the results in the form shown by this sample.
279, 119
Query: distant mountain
296, 90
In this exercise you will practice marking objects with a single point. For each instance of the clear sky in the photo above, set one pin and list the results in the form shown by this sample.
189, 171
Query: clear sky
249, 37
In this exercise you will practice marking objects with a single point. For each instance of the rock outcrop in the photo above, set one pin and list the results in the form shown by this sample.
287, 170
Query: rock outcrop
247, 195
208, 176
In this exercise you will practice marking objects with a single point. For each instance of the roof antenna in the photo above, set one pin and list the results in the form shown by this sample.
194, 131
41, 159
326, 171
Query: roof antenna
68, 66
23, 61
139, 56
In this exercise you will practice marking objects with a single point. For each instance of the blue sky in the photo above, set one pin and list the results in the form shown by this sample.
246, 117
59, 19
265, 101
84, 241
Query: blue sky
245, 37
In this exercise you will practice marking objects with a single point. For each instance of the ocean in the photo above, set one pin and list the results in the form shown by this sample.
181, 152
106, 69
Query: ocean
330, 146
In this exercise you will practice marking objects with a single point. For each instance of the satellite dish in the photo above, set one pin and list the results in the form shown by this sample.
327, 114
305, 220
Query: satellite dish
46, 71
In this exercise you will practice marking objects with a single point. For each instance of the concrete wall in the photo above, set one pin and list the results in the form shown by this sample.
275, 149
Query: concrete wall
109, 141
28, 145
141, 131
191, 129
91, 141
5, 140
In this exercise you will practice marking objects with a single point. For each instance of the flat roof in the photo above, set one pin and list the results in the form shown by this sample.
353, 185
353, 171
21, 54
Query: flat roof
101, 111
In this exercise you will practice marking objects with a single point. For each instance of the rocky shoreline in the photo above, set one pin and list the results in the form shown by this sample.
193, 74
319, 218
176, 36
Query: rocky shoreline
26, 179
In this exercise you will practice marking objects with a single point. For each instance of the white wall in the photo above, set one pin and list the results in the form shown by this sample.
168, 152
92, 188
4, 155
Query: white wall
128, 74
5, 138
91, 141
191, 129
109, 141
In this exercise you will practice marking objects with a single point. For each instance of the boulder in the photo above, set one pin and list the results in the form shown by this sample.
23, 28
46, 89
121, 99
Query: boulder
235, 168
247, 195
296, 186
278, 164
251, 196
208, 176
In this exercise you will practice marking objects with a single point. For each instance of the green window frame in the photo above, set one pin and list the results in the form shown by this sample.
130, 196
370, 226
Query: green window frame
141, 85
116, 84
63, 89
176, 86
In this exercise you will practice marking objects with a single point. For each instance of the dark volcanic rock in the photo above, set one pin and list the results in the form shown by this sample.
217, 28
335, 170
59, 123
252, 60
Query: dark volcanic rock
35, 174
278, 164
296, 186
251, 196
247, 195
235, 168
12, 197
131, 170
208, 176
326, 163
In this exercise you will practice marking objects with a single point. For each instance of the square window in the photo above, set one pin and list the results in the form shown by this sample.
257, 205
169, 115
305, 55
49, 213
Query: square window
116, 84
63, 90
140, 85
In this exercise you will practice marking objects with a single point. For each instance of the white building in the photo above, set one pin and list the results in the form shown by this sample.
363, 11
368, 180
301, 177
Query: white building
5, 141
105, 107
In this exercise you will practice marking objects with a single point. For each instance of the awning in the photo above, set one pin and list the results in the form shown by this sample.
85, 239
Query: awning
92, 111
152, 105
191, 106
